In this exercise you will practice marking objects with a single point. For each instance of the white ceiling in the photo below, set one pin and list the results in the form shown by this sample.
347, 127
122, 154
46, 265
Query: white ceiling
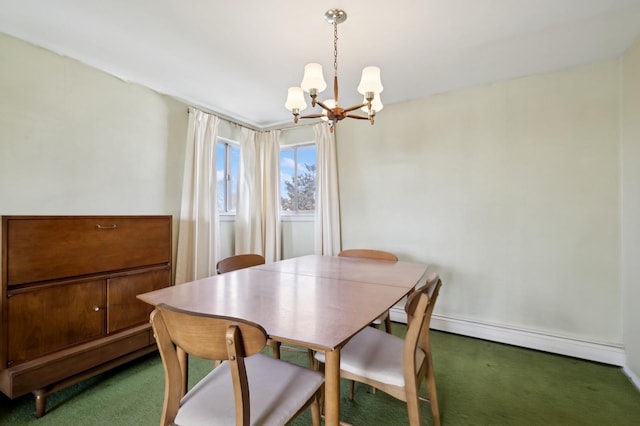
238, 57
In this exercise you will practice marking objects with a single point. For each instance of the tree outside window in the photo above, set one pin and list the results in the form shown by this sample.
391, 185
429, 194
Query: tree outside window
298, 179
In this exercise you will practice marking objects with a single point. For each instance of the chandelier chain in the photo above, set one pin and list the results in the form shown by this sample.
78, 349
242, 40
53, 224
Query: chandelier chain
335, 47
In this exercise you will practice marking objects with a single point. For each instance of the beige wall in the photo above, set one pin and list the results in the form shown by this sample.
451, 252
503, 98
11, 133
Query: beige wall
631, 204
297, 238
74, 140
511, 192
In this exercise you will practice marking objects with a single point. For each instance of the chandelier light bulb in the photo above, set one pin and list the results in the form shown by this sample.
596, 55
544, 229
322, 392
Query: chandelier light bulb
313, 78
370, 81
295, 99
376, 104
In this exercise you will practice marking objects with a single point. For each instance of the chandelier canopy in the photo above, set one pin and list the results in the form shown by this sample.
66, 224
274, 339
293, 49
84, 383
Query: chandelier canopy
313, 83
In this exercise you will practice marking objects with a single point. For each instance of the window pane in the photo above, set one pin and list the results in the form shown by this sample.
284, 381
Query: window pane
298, 179
306, 179
221, 183
287, 174
227, 167
235, 166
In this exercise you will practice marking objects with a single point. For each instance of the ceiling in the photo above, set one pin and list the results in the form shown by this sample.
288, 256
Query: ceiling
238, 57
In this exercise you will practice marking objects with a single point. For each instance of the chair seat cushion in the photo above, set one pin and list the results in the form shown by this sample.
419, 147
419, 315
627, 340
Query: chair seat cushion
376, 355
277, 390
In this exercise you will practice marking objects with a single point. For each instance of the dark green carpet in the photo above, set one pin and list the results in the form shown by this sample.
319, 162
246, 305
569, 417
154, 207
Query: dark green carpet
479, 383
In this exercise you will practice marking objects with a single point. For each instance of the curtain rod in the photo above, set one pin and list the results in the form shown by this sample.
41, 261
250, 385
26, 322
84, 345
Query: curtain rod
227, 119
291, 126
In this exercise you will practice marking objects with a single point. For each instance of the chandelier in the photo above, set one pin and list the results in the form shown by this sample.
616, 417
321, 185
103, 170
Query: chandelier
313, 83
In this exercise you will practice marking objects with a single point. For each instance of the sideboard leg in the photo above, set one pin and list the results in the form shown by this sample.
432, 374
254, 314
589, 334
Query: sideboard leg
41, 402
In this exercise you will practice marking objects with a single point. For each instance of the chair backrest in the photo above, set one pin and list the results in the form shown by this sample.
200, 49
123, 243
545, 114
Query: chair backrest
205, 336
239, 261
368, 254
419, 308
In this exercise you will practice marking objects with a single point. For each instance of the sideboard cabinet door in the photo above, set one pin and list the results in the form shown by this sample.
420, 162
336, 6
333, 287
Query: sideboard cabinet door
44, 319
124, 309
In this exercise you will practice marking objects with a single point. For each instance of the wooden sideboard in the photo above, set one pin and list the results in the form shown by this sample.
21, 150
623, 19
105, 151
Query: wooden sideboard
68, 304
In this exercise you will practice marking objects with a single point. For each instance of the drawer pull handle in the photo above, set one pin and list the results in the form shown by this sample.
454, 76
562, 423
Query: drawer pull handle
112, 226
96, 308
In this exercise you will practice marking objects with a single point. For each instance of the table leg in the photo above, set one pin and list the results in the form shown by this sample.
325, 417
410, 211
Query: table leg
332, 388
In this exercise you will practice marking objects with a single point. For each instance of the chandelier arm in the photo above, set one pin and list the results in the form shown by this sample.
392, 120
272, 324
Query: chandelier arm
356, 116
355, 107
323, 105
312, 116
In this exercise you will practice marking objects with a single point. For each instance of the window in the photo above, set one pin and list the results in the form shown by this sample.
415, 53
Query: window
298, 179
227, 166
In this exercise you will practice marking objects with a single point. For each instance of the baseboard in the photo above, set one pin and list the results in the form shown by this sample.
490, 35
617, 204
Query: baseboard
592, 351
631, 376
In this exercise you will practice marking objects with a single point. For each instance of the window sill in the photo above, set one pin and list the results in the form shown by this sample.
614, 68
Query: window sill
297, 217
231, 217
227, 217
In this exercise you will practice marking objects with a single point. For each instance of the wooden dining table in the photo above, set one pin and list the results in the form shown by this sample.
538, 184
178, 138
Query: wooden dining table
318, 302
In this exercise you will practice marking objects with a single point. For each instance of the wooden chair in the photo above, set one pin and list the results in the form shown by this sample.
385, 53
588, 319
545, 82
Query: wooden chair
394, 365
239, 261
248, 388
369, 254
378, 255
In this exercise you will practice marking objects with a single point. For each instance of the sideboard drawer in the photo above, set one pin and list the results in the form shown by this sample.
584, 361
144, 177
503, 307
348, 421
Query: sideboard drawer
45, 248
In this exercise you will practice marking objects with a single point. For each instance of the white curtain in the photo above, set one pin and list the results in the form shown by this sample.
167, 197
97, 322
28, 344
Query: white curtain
327, 218
271, 201
258, 206
198, 241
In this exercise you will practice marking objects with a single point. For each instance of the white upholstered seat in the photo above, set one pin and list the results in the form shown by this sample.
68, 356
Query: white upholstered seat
397, 366
247, 388
277, 390
376, 355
